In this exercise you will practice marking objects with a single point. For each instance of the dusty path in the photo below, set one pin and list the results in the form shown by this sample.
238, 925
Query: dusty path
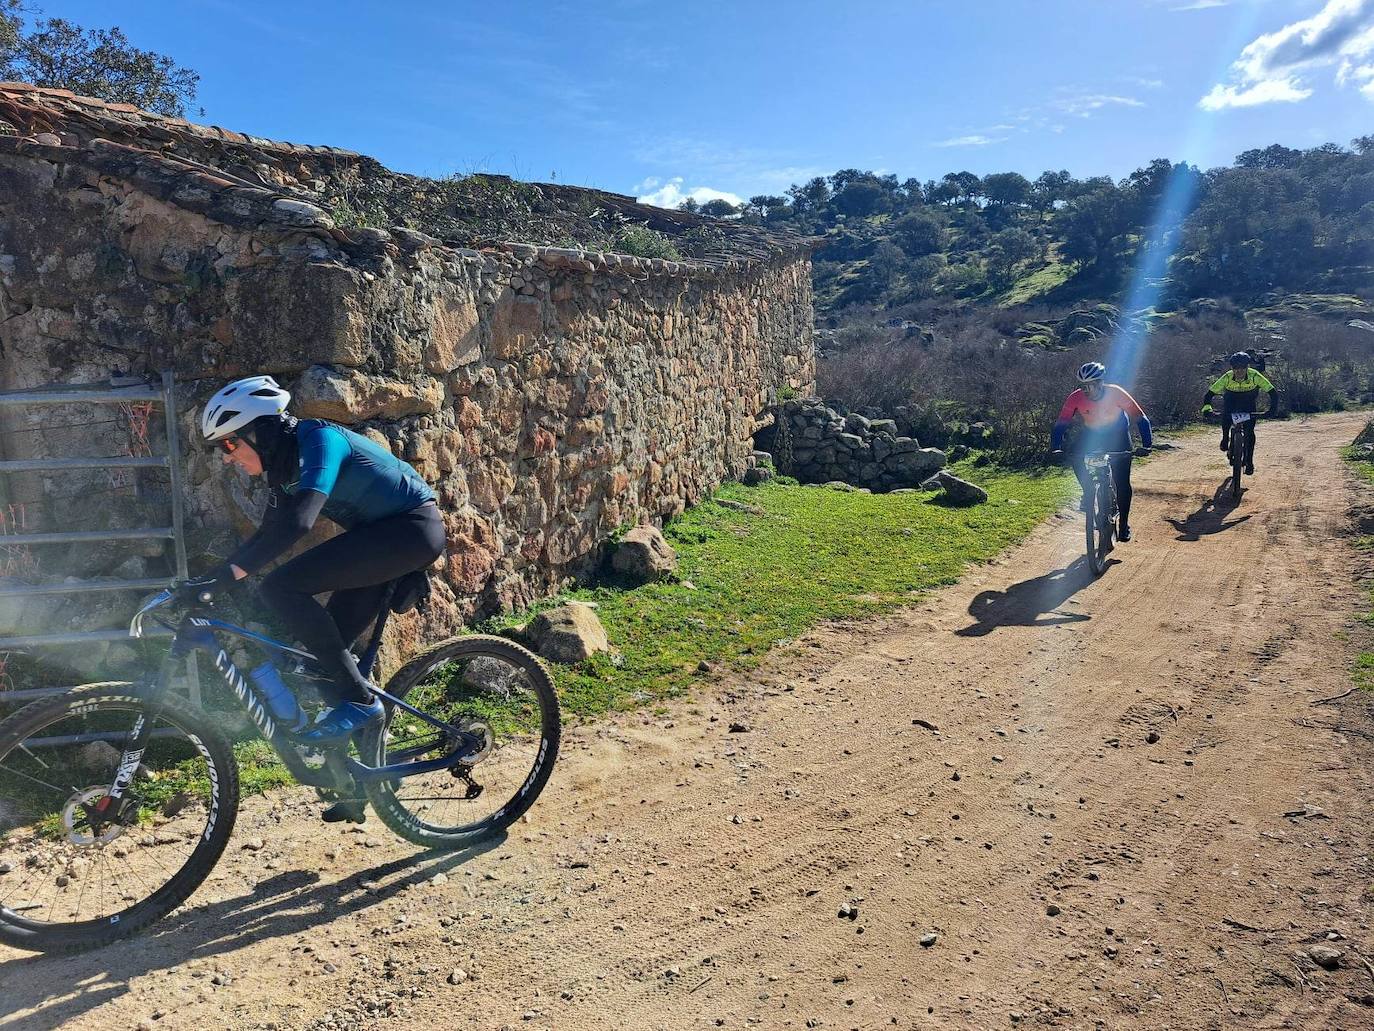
1074, 874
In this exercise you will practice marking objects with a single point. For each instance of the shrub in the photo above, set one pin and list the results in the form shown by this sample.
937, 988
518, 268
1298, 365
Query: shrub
643, 242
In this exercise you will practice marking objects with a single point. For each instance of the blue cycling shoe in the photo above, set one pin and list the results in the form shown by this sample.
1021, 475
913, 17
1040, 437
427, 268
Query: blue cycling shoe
341, 721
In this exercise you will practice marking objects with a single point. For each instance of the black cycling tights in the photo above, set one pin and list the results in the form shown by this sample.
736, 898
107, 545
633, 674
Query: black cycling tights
356, 565
1121, 476
1249, 425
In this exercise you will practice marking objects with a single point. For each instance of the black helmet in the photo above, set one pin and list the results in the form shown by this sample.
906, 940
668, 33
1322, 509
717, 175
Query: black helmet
1239, 358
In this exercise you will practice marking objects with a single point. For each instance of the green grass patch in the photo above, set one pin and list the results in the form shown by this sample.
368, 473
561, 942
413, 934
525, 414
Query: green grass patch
1362, 673
1043, 280
1356, 460
747, 581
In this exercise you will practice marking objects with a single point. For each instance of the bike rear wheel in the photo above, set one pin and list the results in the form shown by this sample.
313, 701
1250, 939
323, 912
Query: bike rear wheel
70, 880
489, 687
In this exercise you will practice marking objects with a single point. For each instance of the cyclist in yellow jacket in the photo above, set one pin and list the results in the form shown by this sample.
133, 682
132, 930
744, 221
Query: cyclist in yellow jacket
1239, 388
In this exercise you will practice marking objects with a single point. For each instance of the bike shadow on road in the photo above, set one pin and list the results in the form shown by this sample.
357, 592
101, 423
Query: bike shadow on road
1210, 517
1030, 603
289, 903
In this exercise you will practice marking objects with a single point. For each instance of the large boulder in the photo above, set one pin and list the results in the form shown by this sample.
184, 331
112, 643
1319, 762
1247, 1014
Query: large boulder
959, 492
569, 633
644, 555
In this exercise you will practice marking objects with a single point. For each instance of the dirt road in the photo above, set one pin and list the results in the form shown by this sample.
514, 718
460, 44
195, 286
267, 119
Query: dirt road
1130, 816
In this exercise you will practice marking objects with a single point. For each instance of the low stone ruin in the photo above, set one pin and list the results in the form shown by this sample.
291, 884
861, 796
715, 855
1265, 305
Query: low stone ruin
816, 444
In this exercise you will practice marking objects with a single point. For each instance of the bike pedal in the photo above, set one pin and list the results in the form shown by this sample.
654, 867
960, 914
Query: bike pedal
349, 811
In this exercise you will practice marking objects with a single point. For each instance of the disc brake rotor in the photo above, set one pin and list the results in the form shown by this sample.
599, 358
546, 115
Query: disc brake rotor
77, 823
477, 729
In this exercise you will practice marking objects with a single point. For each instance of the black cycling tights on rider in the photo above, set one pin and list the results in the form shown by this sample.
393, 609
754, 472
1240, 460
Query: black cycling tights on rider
1121, 468
356, 566
1248, 428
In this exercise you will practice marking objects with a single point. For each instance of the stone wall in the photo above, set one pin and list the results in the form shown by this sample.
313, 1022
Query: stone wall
550, 395
817, 444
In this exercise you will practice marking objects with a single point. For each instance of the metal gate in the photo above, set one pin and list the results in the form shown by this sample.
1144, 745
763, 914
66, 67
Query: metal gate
117, 392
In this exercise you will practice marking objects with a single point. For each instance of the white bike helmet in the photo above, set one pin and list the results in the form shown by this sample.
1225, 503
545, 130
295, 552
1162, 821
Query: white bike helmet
238, 404
1091, 372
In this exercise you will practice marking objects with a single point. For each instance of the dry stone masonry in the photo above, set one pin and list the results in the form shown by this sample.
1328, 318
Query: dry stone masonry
551, 394
817, 444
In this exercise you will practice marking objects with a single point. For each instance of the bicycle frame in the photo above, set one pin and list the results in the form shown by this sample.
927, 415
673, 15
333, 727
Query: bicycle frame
196, 633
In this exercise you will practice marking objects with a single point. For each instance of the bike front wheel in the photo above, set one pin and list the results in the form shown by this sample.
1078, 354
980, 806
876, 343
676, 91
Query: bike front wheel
76, 874
1101, 530
502, 700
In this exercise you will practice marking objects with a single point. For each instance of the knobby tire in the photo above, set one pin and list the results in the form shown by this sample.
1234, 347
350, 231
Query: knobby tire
42, 936
409, 826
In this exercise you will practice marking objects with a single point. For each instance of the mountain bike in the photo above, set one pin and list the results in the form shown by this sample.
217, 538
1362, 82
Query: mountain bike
1242, 423
118, 799
1100, 510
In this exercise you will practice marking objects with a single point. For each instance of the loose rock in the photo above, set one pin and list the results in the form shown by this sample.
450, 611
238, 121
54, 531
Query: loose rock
569, 633
644, 555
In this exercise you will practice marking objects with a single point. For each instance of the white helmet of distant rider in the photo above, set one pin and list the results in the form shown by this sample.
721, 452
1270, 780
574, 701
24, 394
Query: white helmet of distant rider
234, 407
1092, 372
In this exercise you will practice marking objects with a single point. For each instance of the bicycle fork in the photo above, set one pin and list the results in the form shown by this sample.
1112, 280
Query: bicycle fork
113, 805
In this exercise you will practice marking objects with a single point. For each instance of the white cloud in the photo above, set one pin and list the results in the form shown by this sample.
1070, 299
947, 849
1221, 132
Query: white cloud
1361, 76
1200, 5
1269, 91
671, 194
1084, 104
976, 139
1276, 66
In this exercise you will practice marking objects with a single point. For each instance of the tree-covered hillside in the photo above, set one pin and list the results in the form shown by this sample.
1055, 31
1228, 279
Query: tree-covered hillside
972, 299
1278, 219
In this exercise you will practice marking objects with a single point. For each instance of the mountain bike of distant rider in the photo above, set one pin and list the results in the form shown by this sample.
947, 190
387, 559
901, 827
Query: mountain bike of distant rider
119, 798
1242, 424
1100, 505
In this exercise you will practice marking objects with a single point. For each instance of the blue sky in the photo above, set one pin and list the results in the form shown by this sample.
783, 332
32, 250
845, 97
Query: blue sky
748, 97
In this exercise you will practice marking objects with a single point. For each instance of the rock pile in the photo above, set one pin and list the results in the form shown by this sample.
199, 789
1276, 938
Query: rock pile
826, 446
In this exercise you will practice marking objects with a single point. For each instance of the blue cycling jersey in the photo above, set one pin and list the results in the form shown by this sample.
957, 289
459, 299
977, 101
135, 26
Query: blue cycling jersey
361, 481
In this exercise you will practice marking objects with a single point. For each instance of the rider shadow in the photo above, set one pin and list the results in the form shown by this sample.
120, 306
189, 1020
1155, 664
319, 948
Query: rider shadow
1210, 518
1032, 603
277, 907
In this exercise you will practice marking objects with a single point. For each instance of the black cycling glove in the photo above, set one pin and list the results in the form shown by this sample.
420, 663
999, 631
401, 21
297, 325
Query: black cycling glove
206, 588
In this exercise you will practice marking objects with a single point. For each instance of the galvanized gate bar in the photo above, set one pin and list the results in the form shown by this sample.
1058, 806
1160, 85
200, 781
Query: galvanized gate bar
169, 407
83, 587
119, 391
113, 737
80, 394
79, 536
75, 637
39, 465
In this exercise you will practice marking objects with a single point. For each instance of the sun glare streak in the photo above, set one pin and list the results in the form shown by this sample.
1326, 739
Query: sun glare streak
1150, 278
